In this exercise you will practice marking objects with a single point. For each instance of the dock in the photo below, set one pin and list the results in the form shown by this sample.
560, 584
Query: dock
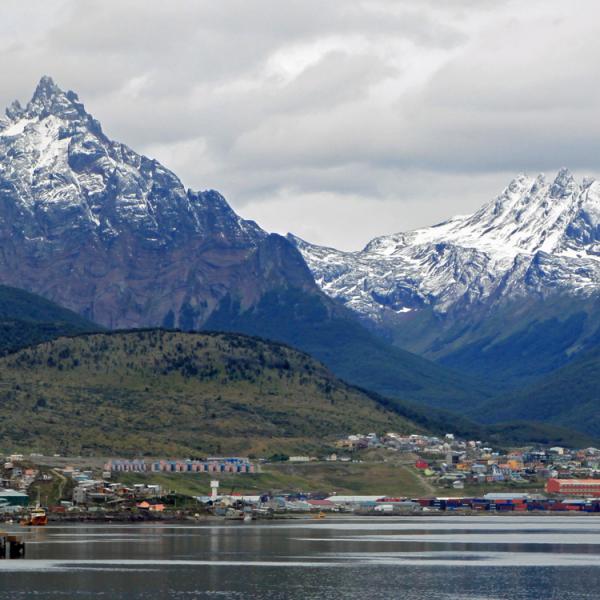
11, 546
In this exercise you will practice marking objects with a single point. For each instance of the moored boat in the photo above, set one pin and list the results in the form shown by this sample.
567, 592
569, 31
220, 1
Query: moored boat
36, 518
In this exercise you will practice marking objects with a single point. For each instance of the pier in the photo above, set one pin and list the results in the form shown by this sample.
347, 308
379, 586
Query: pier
11, 546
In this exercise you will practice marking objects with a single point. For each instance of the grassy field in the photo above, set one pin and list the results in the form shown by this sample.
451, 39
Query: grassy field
480, 490
50, 492
367, 478
346, 478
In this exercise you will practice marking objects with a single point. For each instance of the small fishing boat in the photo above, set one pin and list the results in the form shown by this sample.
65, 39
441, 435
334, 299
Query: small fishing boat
36, 518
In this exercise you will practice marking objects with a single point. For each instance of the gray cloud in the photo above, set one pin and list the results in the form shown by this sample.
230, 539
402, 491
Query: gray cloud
338, 120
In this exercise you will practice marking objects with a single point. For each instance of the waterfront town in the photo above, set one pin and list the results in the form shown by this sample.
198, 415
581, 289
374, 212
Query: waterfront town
462, 475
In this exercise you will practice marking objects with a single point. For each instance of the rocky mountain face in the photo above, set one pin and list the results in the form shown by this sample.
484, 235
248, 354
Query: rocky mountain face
497, 282
90, 224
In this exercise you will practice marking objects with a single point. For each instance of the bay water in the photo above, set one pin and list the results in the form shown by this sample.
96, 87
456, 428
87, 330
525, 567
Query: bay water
426, 557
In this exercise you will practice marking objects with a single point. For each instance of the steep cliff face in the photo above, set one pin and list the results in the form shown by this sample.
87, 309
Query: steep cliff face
113, 235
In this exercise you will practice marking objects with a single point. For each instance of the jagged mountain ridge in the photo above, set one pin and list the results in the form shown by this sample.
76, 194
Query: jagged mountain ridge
436, 289
92, 225
534, 230
81, 214
56, 158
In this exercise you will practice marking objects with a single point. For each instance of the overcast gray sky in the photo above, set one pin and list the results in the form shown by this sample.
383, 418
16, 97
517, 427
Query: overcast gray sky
337, 120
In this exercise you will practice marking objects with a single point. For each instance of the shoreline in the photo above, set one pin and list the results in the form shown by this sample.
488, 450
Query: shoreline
119, 519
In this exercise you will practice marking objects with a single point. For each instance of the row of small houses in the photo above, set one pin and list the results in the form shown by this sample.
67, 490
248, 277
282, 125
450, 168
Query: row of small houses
209, 465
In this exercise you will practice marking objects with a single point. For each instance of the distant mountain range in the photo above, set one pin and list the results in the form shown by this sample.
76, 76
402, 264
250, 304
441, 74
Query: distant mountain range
480, 314
114, 236
508, 293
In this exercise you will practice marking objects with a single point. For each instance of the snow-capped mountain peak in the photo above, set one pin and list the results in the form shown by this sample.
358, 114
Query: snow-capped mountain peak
91, 224
63, 170
47, 100
538, 235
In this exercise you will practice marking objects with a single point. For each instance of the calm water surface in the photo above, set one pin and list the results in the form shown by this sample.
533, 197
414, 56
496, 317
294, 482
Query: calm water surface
426, 558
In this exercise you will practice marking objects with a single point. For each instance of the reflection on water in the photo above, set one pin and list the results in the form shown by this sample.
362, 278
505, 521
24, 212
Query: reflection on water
428, 558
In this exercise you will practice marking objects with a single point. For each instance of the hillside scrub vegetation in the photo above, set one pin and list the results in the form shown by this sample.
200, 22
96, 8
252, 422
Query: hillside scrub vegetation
157, 392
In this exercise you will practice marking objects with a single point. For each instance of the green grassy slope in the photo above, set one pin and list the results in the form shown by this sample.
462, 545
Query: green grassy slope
158, 392
569, 397
342, 478
352, 352
27, 319
511, 345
